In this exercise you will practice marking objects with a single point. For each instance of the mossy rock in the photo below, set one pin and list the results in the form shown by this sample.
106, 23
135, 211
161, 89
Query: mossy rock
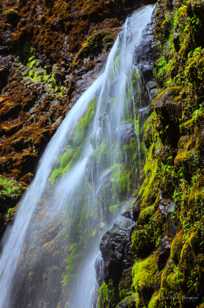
146, 278
149, 187
150, 125
154, 301
10, 189
39, 74
128, 302
176, 247
95, 43
142, 241
174, 160
174, 279
105, 296
10, 193
146, 214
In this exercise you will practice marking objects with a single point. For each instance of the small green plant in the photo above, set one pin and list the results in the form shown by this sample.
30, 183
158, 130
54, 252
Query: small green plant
10, 188
38, 74
105, 295
10, 215
195, 22
161, 67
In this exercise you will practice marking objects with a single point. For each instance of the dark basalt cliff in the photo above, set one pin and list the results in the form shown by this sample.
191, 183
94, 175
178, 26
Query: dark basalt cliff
50, 51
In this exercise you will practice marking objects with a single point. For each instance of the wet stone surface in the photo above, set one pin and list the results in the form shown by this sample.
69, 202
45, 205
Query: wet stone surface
115, 248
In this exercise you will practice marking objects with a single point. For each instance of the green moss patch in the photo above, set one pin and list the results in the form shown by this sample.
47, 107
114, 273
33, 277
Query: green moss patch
10, 188
38, 74
145, 278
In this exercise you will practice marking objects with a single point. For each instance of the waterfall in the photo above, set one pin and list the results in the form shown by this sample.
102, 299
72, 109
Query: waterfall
87, 173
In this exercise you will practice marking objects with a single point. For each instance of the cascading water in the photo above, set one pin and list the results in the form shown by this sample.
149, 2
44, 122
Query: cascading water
83, 179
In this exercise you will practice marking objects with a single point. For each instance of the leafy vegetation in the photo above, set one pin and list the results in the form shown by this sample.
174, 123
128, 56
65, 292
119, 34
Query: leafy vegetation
9, 188
10, 193
38, 74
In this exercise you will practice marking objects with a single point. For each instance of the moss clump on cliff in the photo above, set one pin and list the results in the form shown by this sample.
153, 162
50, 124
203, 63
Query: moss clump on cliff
145, 279
104, 296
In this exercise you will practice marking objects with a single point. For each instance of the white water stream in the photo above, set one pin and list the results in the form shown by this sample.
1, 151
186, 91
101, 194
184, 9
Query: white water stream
48, 258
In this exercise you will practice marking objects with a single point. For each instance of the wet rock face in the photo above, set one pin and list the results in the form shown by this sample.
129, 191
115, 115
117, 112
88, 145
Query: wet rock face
169, 109
126, 133
5, 63
145, 55
44, 46
128, 302
115, 249
164, 252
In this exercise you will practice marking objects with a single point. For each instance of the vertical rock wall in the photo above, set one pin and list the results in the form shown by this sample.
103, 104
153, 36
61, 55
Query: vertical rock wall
167, 242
